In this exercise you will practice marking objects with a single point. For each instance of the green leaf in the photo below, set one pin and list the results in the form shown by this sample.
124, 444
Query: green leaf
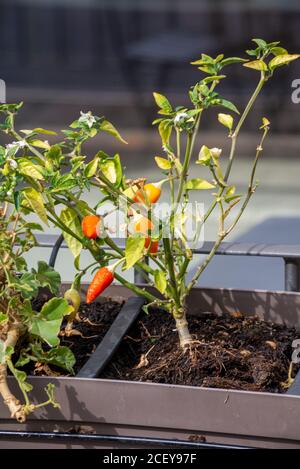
232, 60
134, 250
21, 377
163, 103
228, 105
48, 277
162, 163
40, 144
70, 218
17, 200
215, 78
28, 285
47, 323
198, 184
279, 51
60, 356
204, 156
63, 183
20, 264
3, 317
160, 281
44, 131
36, 202
108, 168
257, 65
108, 127
118, 169
27, 168
281, 60
260, 42
91, 167
165, 130
54, 154
265, 123
226, 119
5, 352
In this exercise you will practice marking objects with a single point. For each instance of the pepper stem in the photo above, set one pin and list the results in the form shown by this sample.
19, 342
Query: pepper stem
112, 267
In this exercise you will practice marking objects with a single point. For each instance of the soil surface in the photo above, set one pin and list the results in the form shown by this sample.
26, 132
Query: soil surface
95, 320
230, 351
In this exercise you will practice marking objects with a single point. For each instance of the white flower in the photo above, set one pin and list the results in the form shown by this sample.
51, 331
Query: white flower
216, 152
9, 193
13, 147
180, 117
87, 118
13, 164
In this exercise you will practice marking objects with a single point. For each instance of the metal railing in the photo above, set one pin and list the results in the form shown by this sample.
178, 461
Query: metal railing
289, 253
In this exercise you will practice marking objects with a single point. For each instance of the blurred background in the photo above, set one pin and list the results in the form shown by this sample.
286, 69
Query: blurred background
107, 56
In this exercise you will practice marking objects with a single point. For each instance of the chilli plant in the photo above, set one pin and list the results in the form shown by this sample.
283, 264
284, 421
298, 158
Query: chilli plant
52, 180
26, 334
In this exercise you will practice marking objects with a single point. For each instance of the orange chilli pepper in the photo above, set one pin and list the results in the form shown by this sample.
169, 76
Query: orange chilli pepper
143, 225
100, 282
150, 193
89, 226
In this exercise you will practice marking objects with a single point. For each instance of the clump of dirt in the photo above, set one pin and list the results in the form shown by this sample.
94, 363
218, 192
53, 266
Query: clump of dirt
230, 351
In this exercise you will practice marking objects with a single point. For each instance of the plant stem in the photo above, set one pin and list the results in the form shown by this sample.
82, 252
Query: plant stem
170, 265
234, 142
139, 291
240, 123
188, 153
185, 338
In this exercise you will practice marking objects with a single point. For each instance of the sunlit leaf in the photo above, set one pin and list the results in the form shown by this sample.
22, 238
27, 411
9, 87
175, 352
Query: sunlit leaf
160, 281
198, 184
226, 120
36, 202
70, 219
163, 163
134, 250
108, 127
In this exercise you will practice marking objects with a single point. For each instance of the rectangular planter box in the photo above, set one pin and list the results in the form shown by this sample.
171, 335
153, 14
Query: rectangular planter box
96, 409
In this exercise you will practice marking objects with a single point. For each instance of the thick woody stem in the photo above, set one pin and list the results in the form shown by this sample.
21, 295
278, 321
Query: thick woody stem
185, 337
16, 409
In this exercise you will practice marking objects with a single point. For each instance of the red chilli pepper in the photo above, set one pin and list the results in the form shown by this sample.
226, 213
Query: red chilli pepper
100, 282
89, 226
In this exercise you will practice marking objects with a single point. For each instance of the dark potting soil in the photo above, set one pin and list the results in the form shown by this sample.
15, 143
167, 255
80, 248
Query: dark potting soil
95, 320
230, 351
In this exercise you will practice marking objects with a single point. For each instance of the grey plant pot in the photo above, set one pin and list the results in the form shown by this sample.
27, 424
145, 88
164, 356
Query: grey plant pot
99, 413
